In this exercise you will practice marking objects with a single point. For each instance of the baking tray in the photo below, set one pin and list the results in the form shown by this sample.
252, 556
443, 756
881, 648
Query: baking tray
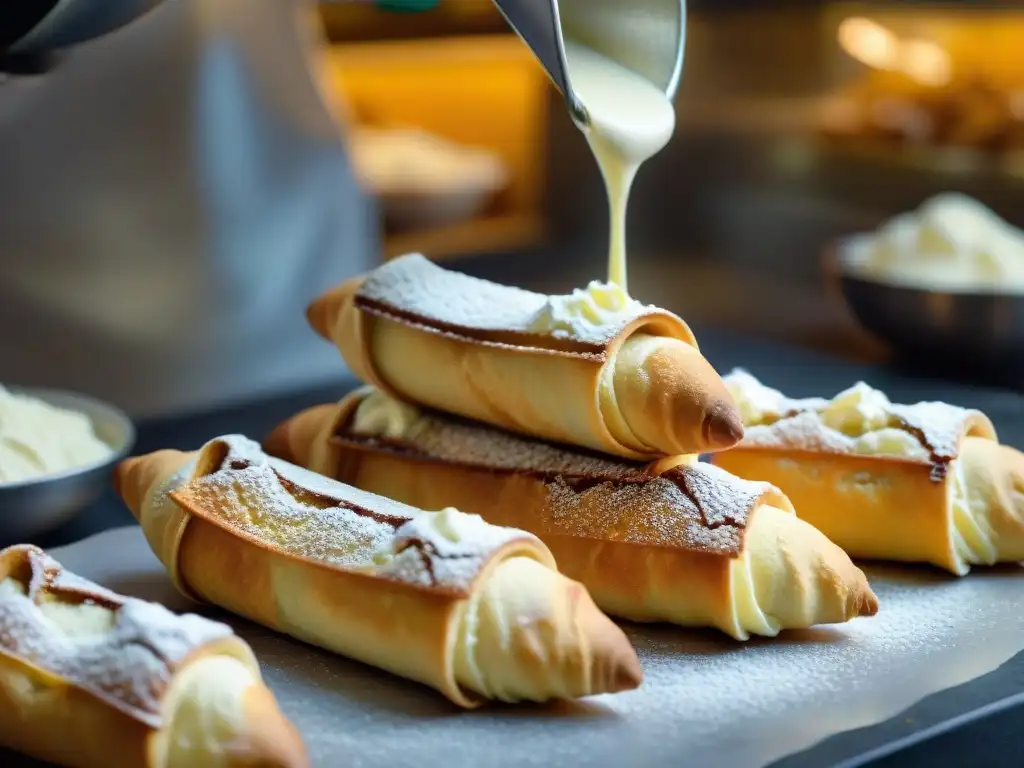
705, 700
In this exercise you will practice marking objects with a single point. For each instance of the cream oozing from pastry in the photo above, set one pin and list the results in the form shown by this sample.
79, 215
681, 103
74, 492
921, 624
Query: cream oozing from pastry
449, 524
758, 404
951, 243
517, 612
504, 628
974, 541
524, 611
863, 414
378, 415
860, 413
580, 313
205, 713
74, 621
778, 581
204, 707
748, 617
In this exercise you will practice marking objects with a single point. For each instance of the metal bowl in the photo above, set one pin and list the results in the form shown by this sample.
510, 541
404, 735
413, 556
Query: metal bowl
951, 330
36, 506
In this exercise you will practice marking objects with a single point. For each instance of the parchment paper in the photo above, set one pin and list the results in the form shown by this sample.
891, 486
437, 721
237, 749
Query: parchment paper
706, 701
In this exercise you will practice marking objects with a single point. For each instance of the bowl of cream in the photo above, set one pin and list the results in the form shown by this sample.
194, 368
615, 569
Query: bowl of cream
945, 281
57, 452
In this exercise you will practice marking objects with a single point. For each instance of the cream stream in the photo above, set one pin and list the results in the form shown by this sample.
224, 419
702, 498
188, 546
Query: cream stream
631, 120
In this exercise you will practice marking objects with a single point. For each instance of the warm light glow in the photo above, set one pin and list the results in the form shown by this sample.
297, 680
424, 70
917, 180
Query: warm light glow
925, 62
869, 43
875, 46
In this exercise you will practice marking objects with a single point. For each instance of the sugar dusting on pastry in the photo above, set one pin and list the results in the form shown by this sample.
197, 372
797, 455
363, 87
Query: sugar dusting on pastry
414, 288
698, 507
446, 548
38, 439
858, 420
122, 650
451, 439
343, 526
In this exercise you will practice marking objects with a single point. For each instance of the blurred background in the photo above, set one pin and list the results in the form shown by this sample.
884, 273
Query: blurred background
795, 128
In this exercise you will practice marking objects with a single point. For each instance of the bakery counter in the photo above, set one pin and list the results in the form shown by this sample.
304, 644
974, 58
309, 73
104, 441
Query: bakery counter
942, 730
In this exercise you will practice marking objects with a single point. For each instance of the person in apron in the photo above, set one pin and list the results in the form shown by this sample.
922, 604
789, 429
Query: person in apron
173, 196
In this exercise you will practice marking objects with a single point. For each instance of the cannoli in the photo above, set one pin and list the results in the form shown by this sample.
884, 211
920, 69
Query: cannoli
595, 369
476, 611
924, 483
674, 541
92, 679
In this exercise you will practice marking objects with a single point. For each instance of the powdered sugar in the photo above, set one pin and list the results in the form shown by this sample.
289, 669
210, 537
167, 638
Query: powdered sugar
445, 549
415, 289
942, 425
321, 520
129, 666
774, 421
253, 502
697, 507
459, 441
325, 486
723, 498
160, 495
803, 431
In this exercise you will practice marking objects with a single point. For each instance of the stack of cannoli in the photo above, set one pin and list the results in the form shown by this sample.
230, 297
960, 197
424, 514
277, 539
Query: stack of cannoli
578, 419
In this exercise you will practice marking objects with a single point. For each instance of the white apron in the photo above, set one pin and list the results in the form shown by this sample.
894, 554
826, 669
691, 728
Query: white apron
171, 199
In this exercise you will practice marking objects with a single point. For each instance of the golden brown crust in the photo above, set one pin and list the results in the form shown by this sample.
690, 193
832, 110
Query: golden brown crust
584, 495
91, 735
108, 698
317, 605
852, 499
880, 507
232, 469
414, 291
121, 672
604, 399
270, 741
291, 591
